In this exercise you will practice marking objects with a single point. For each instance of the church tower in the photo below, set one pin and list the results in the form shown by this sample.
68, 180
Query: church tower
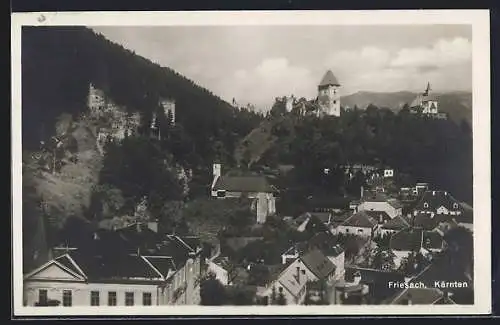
329, 95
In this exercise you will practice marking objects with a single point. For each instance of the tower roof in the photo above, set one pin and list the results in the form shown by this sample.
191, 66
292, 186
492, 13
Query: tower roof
329, 79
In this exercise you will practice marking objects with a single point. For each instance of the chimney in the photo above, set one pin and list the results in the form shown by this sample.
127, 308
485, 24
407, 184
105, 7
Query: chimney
433, 193
445, 193
362, 190
298, 274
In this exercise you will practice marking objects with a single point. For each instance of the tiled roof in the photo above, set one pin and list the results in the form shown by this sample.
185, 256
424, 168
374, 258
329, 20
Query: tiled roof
360, 219
67, 262
436, 199
375, 197
407, 240
428, 221
120, 267
324, 217
398, 223
243, 184
329, 79
318, 264
395, 203
288, 279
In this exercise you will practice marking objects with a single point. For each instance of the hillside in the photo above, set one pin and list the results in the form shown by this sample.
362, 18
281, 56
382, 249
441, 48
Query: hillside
59, 63
457, 104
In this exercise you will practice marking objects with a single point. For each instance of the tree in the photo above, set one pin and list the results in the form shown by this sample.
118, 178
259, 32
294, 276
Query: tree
460, 248
212, 292
384, 260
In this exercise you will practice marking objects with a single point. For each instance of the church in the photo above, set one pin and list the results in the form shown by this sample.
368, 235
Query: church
426, 102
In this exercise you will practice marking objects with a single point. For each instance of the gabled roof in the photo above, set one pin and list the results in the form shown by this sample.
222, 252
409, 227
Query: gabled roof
324, 217
360, 219
407, 240
329, 79
289, 280
428, 221
395, 203
436, 199
243, 184
106, 268
318, 264
398, 223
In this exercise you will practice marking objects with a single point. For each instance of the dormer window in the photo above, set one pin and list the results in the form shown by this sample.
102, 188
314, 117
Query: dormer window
426, 205
455, 205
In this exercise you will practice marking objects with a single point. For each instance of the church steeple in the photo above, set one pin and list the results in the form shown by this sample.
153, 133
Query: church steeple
428, 89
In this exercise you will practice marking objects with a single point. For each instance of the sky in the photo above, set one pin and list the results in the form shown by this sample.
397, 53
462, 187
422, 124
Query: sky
256, 64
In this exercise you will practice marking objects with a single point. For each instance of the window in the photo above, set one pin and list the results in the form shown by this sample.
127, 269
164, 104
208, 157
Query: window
426, 205
146, 299
67, 298
360, 230
455, 205
42, 296
112, 298
94, 298
221, 193
129, 298
335, 102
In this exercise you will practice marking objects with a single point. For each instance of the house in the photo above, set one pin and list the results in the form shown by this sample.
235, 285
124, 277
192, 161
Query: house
411, 240
393, 225
438, 202
318, 267
381, 202
82, 278
423, 296
223, 269
359, 224
254, 187
291, 282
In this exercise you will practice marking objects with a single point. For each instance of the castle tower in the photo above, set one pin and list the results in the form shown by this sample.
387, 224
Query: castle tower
329, 95
289, 103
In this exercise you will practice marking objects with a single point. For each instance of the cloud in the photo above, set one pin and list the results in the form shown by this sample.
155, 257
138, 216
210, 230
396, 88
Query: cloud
446, 64
271, 78
443, 53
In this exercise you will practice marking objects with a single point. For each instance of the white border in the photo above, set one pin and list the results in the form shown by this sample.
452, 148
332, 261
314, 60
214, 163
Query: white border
479, 19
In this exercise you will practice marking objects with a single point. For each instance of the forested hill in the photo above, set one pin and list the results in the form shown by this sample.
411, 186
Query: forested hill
457, 104
59, 63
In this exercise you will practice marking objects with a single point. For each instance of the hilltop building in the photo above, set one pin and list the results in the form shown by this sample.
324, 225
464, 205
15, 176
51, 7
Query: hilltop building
427, 104
254, 187
329, 95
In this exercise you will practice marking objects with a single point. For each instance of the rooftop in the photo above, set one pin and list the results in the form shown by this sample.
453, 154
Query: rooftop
407, 240
256, 184
318, 264
329, 79
360, 219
